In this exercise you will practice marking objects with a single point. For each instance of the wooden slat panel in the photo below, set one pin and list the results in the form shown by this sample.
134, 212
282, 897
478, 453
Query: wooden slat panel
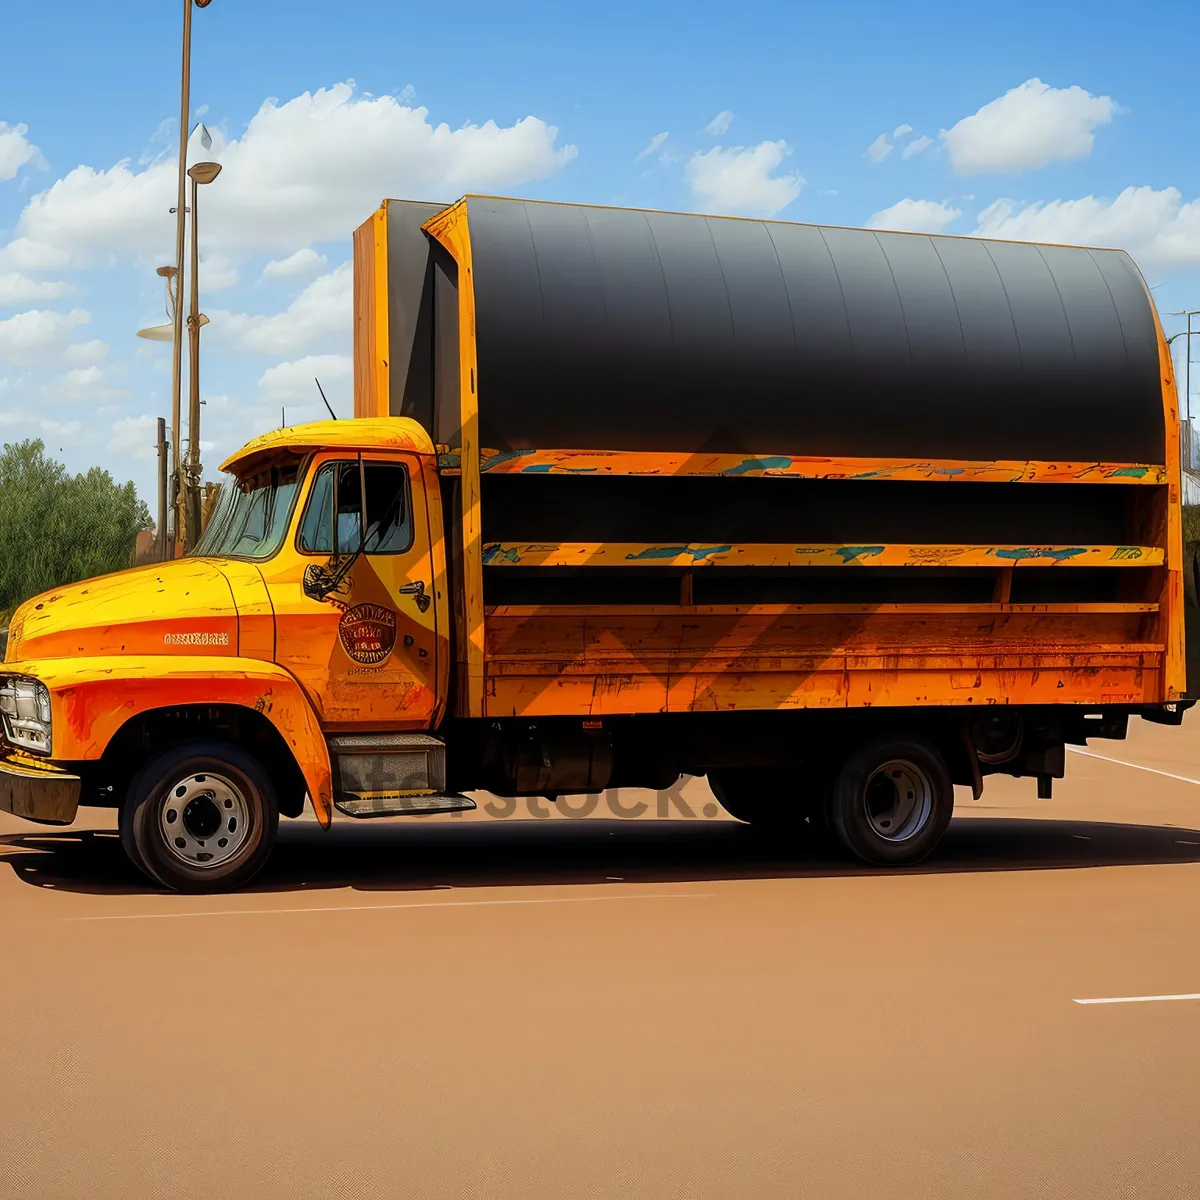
779, 610
619, 643
729, 691
785, 466
632, 554
672, 665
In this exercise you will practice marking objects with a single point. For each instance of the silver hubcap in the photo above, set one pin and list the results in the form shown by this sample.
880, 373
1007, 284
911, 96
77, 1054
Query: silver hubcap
898, 800
205, 820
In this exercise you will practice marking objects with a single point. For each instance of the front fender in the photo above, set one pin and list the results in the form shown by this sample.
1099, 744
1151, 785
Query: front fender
92, 698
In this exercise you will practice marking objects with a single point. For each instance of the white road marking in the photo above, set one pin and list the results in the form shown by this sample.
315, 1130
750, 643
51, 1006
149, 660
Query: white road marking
1136, 766
1138, 999
271, 912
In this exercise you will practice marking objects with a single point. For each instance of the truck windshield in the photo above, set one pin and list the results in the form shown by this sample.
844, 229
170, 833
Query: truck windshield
251, 518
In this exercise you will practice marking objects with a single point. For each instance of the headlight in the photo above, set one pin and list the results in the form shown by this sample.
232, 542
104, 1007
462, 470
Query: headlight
25, 712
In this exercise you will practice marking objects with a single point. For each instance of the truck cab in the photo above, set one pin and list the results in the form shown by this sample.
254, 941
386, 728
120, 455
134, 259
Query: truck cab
311, 617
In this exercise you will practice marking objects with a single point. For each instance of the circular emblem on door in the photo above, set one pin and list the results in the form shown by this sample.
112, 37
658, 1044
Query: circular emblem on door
368, 633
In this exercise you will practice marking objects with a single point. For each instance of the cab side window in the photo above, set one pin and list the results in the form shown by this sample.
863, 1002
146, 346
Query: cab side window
339, 487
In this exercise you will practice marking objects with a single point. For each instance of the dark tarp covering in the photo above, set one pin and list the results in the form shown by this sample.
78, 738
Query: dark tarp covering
628, 330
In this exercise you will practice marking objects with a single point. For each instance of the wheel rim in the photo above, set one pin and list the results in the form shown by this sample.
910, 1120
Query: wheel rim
205, 820
898, 800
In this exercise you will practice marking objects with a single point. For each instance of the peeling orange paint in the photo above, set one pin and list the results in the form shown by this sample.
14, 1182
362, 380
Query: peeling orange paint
92, 698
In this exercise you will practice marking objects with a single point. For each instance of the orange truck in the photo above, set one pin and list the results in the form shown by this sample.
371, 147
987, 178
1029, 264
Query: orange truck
837, 518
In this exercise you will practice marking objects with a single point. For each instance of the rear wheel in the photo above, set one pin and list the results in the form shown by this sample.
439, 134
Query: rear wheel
891, 802
202, 817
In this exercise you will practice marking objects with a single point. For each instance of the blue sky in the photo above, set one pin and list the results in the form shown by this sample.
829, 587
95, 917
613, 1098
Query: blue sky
768, 109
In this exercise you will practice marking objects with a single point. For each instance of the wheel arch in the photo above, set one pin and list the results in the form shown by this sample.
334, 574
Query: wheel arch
94, 699
153, 730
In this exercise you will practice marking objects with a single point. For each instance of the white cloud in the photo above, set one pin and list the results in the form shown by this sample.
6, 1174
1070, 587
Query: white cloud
37, 337
720, 123
305, 171
739, 178
291, 383
303, 262
1156, 227
879, 149
916, 146
655, 143
81, 385
92, 351
60, 428
135, 437
161, 141
901, 130
1026, 128
16, 288
23, 255
82, 377
916, 216
217, 273
16, 150
320, 317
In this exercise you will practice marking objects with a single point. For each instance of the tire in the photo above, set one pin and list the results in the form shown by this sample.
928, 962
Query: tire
202, 817
891, 802
769, 799
129, 845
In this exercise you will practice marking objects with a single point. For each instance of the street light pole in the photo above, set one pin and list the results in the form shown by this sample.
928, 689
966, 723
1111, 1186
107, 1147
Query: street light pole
180, 216
201, 173
1186, 333
180, 219
161, 547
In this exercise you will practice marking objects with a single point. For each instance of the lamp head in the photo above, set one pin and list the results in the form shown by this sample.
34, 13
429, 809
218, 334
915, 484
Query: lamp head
204, 172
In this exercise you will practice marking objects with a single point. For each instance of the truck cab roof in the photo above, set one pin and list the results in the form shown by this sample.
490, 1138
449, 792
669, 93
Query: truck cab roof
362, 433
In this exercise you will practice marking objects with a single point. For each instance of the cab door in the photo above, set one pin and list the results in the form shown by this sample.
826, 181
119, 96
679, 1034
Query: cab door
356, 607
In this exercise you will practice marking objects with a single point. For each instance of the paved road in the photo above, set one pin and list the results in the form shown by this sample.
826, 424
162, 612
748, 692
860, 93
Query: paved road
533, 1007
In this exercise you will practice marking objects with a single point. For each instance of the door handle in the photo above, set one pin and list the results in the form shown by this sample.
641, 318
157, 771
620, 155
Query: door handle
417, 590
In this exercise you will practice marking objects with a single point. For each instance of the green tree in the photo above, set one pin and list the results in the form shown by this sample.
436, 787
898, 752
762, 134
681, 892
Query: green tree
58, 528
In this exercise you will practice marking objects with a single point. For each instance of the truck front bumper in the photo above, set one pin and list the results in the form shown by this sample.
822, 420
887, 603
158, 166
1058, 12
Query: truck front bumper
37, 792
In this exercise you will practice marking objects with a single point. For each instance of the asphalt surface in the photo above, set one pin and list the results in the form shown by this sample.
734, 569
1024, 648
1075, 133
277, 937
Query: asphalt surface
526, 1006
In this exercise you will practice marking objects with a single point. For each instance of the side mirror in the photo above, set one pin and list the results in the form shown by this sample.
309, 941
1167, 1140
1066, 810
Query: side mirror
321, 581
318, 582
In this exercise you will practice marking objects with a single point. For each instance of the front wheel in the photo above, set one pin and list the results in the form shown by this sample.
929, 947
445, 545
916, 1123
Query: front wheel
202, 817
891, 802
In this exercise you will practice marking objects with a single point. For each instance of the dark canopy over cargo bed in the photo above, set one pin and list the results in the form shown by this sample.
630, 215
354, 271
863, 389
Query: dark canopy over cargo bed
626, 330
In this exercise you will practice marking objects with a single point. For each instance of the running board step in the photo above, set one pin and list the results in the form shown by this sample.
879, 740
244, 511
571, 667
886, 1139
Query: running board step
391, 775
402, 806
